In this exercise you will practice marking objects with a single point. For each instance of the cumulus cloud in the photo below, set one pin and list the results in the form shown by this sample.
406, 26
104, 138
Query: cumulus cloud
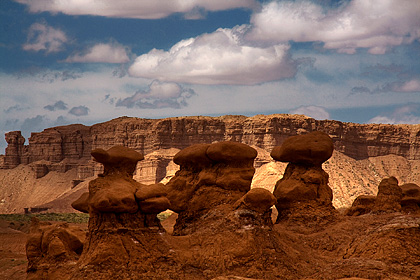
315, 112
409, 114
59, 105
357, 24
221, 57
158, 95
42, 37
101, 53
79, 111
145, 9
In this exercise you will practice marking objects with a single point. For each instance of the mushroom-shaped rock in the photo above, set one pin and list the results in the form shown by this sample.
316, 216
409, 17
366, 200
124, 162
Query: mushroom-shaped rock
152, 198
231, 152
313, 148
116, 155
82, 203
211, 176
114, 190
257, 199
389, 196
118, 158
363, 204
411, 197
113, 196
194, 156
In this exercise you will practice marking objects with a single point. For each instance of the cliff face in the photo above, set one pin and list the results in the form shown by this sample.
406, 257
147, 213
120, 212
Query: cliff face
74, 142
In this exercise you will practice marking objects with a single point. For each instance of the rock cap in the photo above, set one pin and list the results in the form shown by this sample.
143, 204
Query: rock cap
116, 154
313, 148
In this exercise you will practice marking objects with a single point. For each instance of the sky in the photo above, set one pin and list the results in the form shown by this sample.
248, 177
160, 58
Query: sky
72, 61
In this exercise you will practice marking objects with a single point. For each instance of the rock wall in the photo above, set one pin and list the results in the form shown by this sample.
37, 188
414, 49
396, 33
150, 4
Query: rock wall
74, 142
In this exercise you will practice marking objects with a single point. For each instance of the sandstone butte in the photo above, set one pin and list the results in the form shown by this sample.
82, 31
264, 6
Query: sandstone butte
363, 153
74, 142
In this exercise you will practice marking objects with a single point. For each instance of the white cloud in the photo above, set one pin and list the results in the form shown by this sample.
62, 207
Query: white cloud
315, 112
102, 53
409, 86
42, 37
221, 57
158, 95
409, 114
375, 25
144, 9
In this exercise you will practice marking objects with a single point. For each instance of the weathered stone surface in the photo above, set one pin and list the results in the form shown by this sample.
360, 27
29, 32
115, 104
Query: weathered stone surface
313, 148
55, 144
146, 135
389, 196
16, 151
410, 201
82, 203
209, 176
303, 194
363, 204
49, 246
257, 199
123, 237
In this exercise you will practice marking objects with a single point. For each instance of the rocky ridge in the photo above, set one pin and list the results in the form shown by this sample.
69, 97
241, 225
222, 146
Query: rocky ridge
74, 142
363, 155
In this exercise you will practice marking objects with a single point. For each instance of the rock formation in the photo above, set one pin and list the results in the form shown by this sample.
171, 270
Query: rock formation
410, 201
123, 240
146, 135
303, 194
16, 151
211, 176
52, 249
390, 198
224, 228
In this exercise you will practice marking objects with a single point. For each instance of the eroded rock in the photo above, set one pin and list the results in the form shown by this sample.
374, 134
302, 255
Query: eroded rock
410, 201
123, 238
303, 194
210, 176
49, 246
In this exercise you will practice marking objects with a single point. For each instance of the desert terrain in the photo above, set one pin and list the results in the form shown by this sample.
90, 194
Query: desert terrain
37, 178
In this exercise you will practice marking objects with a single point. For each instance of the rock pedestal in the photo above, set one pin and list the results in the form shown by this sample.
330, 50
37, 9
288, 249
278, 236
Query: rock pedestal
124, 238
303, 194
210, 176
15, 150
389, 196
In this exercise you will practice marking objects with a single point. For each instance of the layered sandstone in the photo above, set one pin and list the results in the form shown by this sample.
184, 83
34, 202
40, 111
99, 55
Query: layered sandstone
358, 141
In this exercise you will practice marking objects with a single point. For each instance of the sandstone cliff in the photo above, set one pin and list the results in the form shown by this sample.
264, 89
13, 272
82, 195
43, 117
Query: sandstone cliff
74, 142
364, 154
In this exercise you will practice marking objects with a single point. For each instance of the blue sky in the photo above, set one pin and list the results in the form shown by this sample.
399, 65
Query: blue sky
64, 62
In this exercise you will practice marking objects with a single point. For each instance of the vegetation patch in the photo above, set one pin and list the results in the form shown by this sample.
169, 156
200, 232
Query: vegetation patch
78, 218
